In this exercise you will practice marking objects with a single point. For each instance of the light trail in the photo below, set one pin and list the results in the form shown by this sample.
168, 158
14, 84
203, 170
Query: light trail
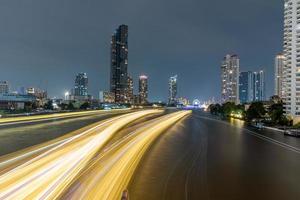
38, 118
47, 175
109, 175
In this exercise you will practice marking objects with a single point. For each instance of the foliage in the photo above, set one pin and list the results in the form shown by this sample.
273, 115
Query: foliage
49, 105
85, 106
256, 111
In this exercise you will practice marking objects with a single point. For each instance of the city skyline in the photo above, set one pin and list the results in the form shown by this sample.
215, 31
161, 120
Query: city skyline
88, 51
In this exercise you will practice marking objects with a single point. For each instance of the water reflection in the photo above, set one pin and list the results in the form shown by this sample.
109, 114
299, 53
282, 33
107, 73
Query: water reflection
237, 122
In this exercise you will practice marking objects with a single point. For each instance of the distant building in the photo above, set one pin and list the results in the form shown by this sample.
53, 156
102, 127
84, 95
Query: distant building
106, 97
80, 90
252, 87
172, 90
230, 78
143, 89
81, 85
119, 64
4, 87
39, 94
15, 101
279, 65
259, 88
129, 92
246, 87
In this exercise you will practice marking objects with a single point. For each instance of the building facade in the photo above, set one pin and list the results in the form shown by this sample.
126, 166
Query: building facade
291, 52
129, 92
172, 90
230, 79
246, 87
4, 87
278, 68
143, 90
259, 87
81, 85
252, 86
119, 64
106, 97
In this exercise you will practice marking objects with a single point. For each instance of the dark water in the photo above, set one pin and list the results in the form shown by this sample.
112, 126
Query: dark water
201, 158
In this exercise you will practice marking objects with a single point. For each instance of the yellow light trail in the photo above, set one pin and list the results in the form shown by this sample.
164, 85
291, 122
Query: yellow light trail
47, 175
14, 120
108, 176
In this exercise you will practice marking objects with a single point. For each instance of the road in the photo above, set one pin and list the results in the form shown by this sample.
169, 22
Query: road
156, 155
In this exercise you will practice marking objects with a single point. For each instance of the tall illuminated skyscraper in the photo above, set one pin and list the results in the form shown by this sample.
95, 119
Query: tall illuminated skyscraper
259, 87
81, 85
246, 87
230, 78
279, 65
129, 92
291, 52
173, 90
143, 89
119, 64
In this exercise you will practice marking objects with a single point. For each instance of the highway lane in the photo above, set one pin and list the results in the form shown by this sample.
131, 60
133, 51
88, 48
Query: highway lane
46, 175
22, 134
203, 158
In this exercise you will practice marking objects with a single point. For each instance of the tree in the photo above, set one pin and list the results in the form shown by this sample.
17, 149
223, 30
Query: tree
63, 106
215, 109
227, 108
85, 105
277, 114
256, 111
71, 106
49, 105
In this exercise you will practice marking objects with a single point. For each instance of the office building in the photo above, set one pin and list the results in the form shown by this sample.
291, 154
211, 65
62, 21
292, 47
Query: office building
119, 64
4, 87
143, 90
252, 86
279, 65
230, 79
259, 87
246, 87
106, 97
129, 92
172, 90
81, 85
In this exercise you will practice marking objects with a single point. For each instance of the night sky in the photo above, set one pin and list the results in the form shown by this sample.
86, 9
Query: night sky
44, 43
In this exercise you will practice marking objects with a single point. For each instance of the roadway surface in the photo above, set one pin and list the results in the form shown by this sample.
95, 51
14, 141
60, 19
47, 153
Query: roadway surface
153, 154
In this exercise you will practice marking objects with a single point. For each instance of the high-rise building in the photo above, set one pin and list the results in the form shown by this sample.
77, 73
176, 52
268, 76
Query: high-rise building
279, 65
143, 89
106, 97
119, 63
4, 87
129, 92
246, 87
81, 85
173, 90
230, 78
252, 86
291, 52
259, 87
